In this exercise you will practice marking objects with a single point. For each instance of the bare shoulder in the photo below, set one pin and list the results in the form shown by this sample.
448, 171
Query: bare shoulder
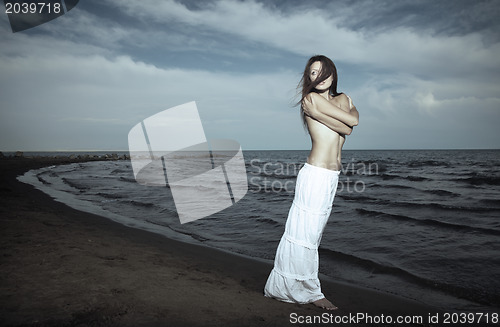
312, 99
312, 96
344, 98
308, 101
343, 101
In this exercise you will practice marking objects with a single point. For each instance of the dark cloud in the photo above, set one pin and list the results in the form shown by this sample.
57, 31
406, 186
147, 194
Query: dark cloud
450, 18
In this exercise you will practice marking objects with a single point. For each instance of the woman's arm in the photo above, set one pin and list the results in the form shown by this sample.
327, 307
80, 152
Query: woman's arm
332, 123
318, 107
352, 109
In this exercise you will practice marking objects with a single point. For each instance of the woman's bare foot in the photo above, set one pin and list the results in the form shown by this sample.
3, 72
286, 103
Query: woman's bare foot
325, 304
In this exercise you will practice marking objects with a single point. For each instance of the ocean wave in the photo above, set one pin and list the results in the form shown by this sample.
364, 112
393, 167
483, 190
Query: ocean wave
214, 186
411, 178
179, 230
487, 298
432, 205
444, 207
357, 197
42, 180
427, 222
120, 171
110, 196
74, 184
443, 193
491, 202
426, 163
169, 210
275, 176
268, 221
363, 169
396, 186
127, 179
140, 204
479, 180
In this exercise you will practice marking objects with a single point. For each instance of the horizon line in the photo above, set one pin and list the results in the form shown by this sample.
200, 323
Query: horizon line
380, 149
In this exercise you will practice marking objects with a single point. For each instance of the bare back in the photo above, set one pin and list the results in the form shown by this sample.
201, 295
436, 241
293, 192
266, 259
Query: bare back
327, 144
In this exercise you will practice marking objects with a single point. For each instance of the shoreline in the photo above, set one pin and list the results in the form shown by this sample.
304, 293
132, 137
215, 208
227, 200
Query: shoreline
66, 267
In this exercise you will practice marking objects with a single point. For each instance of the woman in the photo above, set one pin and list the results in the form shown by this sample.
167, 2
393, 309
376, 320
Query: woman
328, 117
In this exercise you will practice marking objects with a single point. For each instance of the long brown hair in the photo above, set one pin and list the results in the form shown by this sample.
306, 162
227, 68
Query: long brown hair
327, 69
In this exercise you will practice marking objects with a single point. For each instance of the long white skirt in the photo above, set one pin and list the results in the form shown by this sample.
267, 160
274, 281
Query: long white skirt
294, 277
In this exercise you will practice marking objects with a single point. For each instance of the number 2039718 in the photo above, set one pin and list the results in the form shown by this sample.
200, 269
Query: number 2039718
33, 8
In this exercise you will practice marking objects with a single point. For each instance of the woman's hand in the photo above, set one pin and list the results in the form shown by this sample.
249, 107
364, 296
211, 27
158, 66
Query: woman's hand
308, 106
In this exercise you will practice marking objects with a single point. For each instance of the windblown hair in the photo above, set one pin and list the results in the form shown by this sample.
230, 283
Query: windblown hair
327, 69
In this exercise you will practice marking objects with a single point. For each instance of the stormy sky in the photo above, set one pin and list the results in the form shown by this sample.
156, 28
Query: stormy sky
423, 74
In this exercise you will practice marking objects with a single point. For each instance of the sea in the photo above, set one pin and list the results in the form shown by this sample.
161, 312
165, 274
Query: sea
420, 224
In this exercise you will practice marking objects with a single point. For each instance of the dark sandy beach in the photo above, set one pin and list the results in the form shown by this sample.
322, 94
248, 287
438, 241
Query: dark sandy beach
63, 267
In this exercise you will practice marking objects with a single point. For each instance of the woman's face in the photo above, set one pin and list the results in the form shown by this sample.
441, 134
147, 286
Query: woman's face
314, 71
